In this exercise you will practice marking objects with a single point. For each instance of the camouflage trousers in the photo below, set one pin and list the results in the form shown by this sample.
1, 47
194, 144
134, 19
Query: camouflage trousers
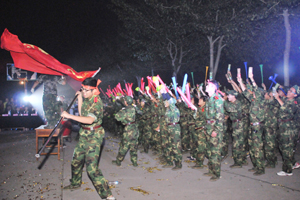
286, 140
156, 137
51, 109
214, 153
173, 151
238, 143
87, 151
225, 142
147, 136
270, 137
247, 130
141, 125
256, 147
129, 142
193, 140
164, 139
185, 136
201, 143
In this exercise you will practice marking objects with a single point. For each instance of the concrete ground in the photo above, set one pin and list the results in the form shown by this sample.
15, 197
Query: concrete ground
20, 178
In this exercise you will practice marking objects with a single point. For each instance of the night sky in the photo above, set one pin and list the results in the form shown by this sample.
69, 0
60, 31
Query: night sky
64, 29
67, 30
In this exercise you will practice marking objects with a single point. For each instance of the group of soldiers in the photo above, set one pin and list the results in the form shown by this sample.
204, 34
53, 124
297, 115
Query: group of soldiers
261, 123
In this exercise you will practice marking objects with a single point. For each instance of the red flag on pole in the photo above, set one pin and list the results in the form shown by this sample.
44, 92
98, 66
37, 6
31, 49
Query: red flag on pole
32, 58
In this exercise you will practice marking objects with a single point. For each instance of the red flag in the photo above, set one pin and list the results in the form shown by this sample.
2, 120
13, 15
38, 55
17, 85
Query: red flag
32, 58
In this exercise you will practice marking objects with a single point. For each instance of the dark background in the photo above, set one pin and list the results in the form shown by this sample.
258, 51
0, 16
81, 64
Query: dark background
77, 33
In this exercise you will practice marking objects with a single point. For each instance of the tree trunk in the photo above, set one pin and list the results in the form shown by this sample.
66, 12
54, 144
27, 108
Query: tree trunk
211, 53
287, 48
213, 66
220, 47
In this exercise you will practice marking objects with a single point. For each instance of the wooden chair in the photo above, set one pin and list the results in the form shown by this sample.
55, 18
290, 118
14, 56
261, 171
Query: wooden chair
44, 134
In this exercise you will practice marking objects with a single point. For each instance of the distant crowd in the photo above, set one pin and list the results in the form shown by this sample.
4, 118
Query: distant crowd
13, 107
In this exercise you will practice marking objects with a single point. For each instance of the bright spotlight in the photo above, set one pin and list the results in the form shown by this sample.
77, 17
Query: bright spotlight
26, 98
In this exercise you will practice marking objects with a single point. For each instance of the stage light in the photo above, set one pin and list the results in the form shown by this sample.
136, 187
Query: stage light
26, 98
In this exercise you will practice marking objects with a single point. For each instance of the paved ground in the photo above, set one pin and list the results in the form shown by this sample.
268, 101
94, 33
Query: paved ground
20, 178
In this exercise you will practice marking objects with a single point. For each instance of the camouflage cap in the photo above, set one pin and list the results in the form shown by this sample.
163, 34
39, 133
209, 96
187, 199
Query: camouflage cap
128, 99
296, 87
232, 92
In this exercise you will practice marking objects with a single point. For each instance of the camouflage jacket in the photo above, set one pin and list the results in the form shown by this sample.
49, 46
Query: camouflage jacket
183, 112
234, 109
161, 108
92, 107
271, 113
214, 114
244, 103
172, 114
50, 83
287, 112
199, 117
126, 115
257, 105
154, 112
297, 115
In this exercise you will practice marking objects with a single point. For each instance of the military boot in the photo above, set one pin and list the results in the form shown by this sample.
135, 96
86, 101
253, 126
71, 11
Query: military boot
178, 166
116, 162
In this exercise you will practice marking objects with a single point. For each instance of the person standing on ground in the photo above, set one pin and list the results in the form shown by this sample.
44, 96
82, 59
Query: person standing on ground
130, 136
257, 117
91, 137
287, 133
172, 116
50, 104
233, 106
200, 134
214, 129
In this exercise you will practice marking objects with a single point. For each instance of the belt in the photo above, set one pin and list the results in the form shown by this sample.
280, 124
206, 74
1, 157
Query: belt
91, 128
200, 128
192, 124
237, 120
210, 121
183, 115
172, 124
284, 120
154, 115
256, 123
129, 123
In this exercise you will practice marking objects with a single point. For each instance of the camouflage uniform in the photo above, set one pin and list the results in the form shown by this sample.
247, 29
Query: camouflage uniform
141, 124
257, 109
287, 133
245, 118
238, 137
50, 105
215, 122
130, 135
270, 133
200, 136
225, 142
88, 148
192, 135
163, 128
185, 139
156, 139
173, 152
147, 131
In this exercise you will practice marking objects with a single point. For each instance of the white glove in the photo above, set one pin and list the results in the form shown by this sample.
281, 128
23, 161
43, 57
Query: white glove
32, 90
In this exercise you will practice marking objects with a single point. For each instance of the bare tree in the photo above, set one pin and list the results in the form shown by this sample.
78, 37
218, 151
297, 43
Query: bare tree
287, 47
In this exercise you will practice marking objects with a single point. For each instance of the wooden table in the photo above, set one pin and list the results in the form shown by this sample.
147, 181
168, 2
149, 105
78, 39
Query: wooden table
44, 134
